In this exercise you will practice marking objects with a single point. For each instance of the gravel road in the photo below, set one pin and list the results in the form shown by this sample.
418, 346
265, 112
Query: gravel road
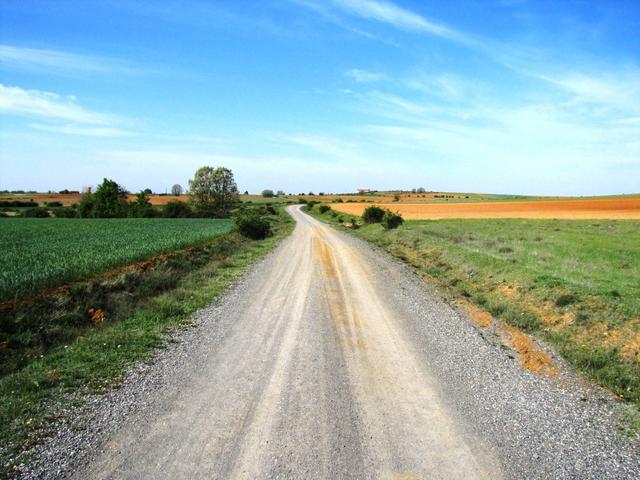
332, 360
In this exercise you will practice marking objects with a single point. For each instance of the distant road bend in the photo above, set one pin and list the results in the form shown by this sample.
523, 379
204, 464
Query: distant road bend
331, 360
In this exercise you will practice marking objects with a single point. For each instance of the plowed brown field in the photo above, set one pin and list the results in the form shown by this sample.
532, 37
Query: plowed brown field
615, 209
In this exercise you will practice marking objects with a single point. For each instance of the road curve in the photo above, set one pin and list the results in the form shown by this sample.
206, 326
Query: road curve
331, 365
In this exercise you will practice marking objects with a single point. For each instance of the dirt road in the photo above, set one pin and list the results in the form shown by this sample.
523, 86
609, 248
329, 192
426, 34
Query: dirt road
333, 361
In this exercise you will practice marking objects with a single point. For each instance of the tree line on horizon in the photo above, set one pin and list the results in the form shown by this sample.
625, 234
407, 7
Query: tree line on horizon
212, 194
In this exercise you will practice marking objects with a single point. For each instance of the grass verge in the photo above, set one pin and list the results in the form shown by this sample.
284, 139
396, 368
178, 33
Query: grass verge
128, 330
571, 283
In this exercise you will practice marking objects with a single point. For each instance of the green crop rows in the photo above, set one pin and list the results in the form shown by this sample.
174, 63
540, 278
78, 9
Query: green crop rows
41, 253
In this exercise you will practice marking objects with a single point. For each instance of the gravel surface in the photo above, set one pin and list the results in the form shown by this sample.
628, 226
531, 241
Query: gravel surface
332, 360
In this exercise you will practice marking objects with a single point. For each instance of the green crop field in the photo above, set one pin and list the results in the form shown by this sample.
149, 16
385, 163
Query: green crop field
42, 253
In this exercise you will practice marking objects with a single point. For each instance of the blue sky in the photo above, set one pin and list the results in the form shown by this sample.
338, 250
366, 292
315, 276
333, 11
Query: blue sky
504, 96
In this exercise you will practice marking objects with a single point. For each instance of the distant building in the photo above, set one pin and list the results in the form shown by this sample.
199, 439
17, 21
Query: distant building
364, 190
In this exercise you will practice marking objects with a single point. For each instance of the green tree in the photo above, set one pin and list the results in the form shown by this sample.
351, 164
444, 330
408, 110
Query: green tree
141, 206
85, 209
267, 193
213, 191
109, 201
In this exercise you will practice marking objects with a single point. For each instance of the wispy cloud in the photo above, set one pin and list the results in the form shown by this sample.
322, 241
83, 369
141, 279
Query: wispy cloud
328, 146
16, 100
327, 13
620, 91
86, 131
61, 113
58, 61
401, 18
364, 76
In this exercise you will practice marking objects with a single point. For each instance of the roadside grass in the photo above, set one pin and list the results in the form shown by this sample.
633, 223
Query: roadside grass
574, 284
97, 356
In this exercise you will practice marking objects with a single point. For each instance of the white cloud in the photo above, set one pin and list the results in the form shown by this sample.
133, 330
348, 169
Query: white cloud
86, 131
48, 105
326, 146
398, 17
60, 61
621, 90
364, 76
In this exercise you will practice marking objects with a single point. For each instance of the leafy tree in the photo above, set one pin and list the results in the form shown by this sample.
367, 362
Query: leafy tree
267, 193
85, 208
176, 190
109, 201
213, 191
141, 206
148, 191
280, 193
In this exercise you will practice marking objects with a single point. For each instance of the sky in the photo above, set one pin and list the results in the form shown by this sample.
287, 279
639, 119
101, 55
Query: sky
496, 96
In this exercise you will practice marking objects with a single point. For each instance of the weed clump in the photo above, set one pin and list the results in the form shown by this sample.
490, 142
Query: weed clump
565, 299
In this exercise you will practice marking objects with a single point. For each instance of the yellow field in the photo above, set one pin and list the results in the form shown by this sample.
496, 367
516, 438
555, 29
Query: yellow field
600, 208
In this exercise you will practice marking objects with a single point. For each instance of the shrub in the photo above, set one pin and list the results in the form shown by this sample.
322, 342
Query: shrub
324, 208
176, 209
311, 204
63, 212
373, 214
253, 226
53, 204
36, 212
392, 220
302, 200
267, 193
18, 203
270, 210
